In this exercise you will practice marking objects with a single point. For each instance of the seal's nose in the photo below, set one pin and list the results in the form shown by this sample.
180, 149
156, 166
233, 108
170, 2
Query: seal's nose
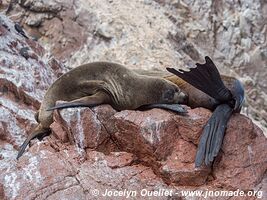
184, 98
181, 98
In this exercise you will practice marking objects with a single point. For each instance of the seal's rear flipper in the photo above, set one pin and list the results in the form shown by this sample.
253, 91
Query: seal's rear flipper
238, 95
212, 136
88, 101
39, 133
177, 108
206, 78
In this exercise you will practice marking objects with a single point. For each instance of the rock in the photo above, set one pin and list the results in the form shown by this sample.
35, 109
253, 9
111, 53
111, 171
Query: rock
22, 82
42, 6
156, 34
157, 138
89, 132
91, 151
241, 158
140, 146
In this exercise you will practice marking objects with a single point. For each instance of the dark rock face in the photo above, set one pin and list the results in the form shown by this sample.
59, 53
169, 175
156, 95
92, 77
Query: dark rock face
103, 149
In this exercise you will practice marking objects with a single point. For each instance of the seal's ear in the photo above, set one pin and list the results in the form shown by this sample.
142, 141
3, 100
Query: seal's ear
206, 78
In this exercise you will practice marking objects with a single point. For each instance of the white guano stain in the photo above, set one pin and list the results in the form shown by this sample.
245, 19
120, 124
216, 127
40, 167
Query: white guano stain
12, 185
69, 115
79, 130
250, 155
151, 130
11, 122
31, 172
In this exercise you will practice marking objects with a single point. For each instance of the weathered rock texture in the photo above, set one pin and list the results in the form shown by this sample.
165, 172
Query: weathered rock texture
101, 148
25, 73
167, 143
157, 34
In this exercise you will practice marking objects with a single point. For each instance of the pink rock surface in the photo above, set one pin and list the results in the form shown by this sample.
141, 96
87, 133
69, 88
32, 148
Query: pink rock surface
23, 82
102, 149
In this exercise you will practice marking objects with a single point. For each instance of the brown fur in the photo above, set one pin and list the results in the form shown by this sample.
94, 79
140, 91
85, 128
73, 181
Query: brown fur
196, 98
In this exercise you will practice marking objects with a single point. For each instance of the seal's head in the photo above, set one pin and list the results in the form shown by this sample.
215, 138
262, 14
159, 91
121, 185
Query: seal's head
171, 93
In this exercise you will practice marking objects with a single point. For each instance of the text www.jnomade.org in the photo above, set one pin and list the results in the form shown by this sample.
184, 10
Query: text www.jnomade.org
172, 192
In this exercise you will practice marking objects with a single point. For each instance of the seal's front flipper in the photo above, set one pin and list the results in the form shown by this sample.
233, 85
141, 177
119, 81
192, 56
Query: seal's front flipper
88, 101
71, 105
177, 108
212, 136
206, 78
39, 133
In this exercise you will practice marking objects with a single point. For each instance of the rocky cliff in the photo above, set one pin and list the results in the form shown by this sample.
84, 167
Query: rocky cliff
94, 150
156, 34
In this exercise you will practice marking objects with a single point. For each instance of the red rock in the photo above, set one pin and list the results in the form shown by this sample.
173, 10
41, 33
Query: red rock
119, 159
154, 137
22, 83
145, 133
88, 133
244, 148
179, 168
190, 127
100, 148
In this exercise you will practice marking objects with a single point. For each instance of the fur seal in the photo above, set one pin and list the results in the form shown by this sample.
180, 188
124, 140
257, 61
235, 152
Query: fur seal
205, 87
102, 83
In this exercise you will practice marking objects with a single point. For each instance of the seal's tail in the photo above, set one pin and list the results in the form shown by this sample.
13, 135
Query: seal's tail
39, 133
212, 136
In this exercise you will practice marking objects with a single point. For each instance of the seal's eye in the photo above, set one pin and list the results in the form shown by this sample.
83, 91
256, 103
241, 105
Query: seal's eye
169, 94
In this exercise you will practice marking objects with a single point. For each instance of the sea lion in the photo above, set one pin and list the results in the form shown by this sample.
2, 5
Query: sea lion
102, 83
205, 87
